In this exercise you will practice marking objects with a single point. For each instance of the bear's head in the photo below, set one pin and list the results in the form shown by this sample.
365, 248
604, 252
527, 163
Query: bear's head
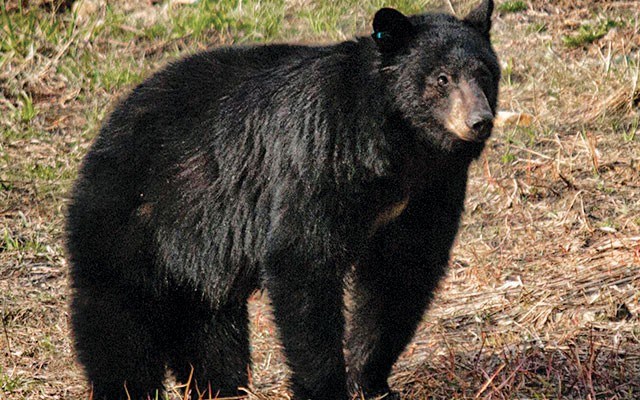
441, 74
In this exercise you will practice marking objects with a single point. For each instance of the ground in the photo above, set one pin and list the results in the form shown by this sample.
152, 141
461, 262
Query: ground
543, 296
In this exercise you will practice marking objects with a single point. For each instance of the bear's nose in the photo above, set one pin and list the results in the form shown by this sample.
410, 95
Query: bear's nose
481, 124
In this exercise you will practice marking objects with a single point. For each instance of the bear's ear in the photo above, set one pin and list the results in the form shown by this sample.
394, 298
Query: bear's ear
480, 17
392, 30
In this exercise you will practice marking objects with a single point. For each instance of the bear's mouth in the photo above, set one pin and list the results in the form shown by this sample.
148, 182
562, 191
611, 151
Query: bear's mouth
467, 134
473, 135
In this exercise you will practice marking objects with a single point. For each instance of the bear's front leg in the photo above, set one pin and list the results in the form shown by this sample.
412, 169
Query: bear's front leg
390, 292
395, 280
306, 291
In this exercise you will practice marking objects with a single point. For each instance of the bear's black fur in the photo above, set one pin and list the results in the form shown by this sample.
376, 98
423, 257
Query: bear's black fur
282, 167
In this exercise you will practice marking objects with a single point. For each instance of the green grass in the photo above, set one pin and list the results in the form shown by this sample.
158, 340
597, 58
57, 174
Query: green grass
11, 241
10, 384
629, 133
27, 109
507, 72
512, 6
123, 73
537, 27
588, 33
507, 157
22, 28
200, 18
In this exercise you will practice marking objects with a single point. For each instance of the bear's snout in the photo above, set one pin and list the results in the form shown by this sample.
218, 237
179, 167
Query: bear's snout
481, 123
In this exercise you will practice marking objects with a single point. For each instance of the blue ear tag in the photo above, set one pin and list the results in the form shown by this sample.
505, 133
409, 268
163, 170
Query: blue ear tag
379, 35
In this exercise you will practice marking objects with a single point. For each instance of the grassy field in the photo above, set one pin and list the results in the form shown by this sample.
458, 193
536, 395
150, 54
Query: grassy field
543, 296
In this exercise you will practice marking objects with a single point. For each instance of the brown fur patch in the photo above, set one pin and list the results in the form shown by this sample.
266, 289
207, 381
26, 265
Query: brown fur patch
461, 102
144, 211
456, 117
390, 213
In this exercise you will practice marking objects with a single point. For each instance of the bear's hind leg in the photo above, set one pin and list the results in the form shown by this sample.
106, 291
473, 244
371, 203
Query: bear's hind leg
214, 347
117, 347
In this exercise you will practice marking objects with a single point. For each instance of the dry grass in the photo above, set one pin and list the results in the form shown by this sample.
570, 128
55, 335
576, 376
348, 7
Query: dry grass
543, 296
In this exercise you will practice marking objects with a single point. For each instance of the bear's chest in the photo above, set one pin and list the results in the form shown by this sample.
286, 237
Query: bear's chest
389, 213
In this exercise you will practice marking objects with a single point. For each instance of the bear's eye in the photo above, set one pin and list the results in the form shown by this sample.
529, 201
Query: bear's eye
443, 80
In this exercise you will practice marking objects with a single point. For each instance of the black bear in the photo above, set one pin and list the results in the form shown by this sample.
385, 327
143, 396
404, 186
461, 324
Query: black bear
290, 168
